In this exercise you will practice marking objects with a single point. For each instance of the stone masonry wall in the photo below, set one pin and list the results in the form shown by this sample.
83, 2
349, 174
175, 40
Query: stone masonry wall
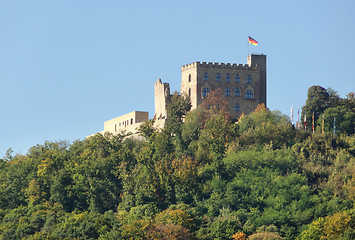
193, 83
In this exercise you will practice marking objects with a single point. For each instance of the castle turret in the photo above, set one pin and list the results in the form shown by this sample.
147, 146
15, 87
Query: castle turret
260, 62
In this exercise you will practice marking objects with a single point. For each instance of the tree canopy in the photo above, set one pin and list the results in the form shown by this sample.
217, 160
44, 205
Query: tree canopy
201, 177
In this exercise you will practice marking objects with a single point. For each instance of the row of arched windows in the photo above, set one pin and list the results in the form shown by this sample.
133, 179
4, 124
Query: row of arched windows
228, 77
248, 93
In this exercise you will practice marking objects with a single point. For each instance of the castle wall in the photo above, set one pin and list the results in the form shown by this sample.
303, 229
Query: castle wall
128, 122
193, 82
189, 86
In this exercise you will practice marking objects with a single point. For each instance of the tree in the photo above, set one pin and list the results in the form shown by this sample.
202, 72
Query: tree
239, 236
177, 109
341, 225
265, 236
214, 138
146, 129
185, 174
317, 101
265, 127
342, 115
328, 105
168, 232
215, 103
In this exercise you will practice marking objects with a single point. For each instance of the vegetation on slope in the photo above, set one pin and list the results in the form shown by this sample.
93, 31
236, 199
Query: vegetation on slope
201, 177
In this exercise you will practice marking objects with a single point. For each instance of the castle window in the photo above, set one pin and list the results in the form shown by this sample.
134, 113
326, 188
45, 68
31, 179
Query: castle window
205, 92
236, 107
237, 92
205, 76
228, 77
237, 78
189, 77
248, 78
189, 92
131, 121
228, 92
249, 94
218, 77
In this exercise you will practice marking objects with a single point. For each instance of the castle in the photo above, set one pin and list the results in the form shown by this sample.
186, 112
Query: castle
244, 87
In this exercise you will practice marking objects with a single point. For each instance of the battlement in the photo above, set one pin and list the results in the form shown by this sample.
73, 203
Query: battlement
218, 65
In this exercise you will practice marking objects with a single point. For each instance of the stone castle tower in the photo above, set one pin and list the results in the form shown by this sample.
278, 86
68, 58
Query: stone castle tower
244, 86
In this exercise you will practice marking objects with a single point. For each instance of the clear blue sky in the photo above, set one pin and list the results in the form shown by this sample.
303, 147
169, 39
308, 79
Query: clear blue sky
68, 66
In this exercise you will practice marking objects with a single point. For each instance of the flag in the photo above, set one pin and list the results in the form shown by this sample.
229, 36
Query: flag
305, 121
313, 122
253, 41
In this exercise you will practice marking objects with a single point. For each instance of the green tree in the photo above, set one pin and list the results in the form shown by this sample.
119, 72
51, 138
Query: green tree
317, 101
265, 127
342, 115
214, 138
341, 225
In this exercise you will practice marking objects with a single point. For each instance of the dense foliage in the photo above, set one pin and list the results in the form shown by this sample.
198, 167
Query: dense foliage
201, 177
331, 113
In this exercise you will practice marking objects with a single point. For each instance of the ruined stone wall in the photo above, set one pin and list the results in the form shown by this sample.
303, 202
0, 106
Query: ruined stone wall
162, 99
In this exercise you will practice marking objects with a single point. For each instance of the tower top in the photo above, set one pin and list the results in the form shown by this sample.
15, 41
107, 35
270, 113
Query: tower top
217, 65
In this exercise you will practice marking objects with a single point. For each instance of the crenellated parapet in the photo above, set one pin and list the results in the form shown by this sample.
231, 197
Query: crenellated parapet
218, 66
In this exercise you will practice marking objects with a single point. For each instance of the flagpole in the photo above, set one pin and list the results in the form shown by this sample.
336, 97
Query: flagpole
305, 121
291, 116
248, 45
313, 122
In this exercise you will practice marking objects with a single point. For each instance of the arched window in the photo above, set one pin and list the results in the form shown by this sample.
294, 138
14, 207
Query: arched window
236, 92
237, 78
189, 77
228, 92
248, 78
249, 94
218, 77
205, 76
205, 92
236, 107
228, 78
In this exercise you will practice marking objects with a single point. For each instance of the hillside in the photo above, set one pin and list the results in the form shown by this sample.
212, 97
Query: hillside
201, 177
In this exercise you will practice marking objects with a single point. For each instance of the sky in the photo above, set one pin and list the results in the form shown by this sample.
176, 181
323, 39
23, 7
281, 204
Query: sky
68, 66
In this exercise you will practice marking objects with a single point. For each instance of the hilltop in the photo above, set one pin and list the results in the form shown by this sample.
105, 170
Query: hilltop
202, 176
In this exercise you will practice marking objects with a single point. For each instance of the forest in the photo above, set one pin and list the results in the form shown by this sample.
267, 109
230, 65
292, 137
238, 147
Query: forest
203, 176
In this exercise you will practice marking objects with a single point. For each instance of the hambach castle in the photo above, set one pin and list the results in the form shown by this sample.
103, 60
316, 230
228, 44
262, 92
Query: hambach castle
244, 87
